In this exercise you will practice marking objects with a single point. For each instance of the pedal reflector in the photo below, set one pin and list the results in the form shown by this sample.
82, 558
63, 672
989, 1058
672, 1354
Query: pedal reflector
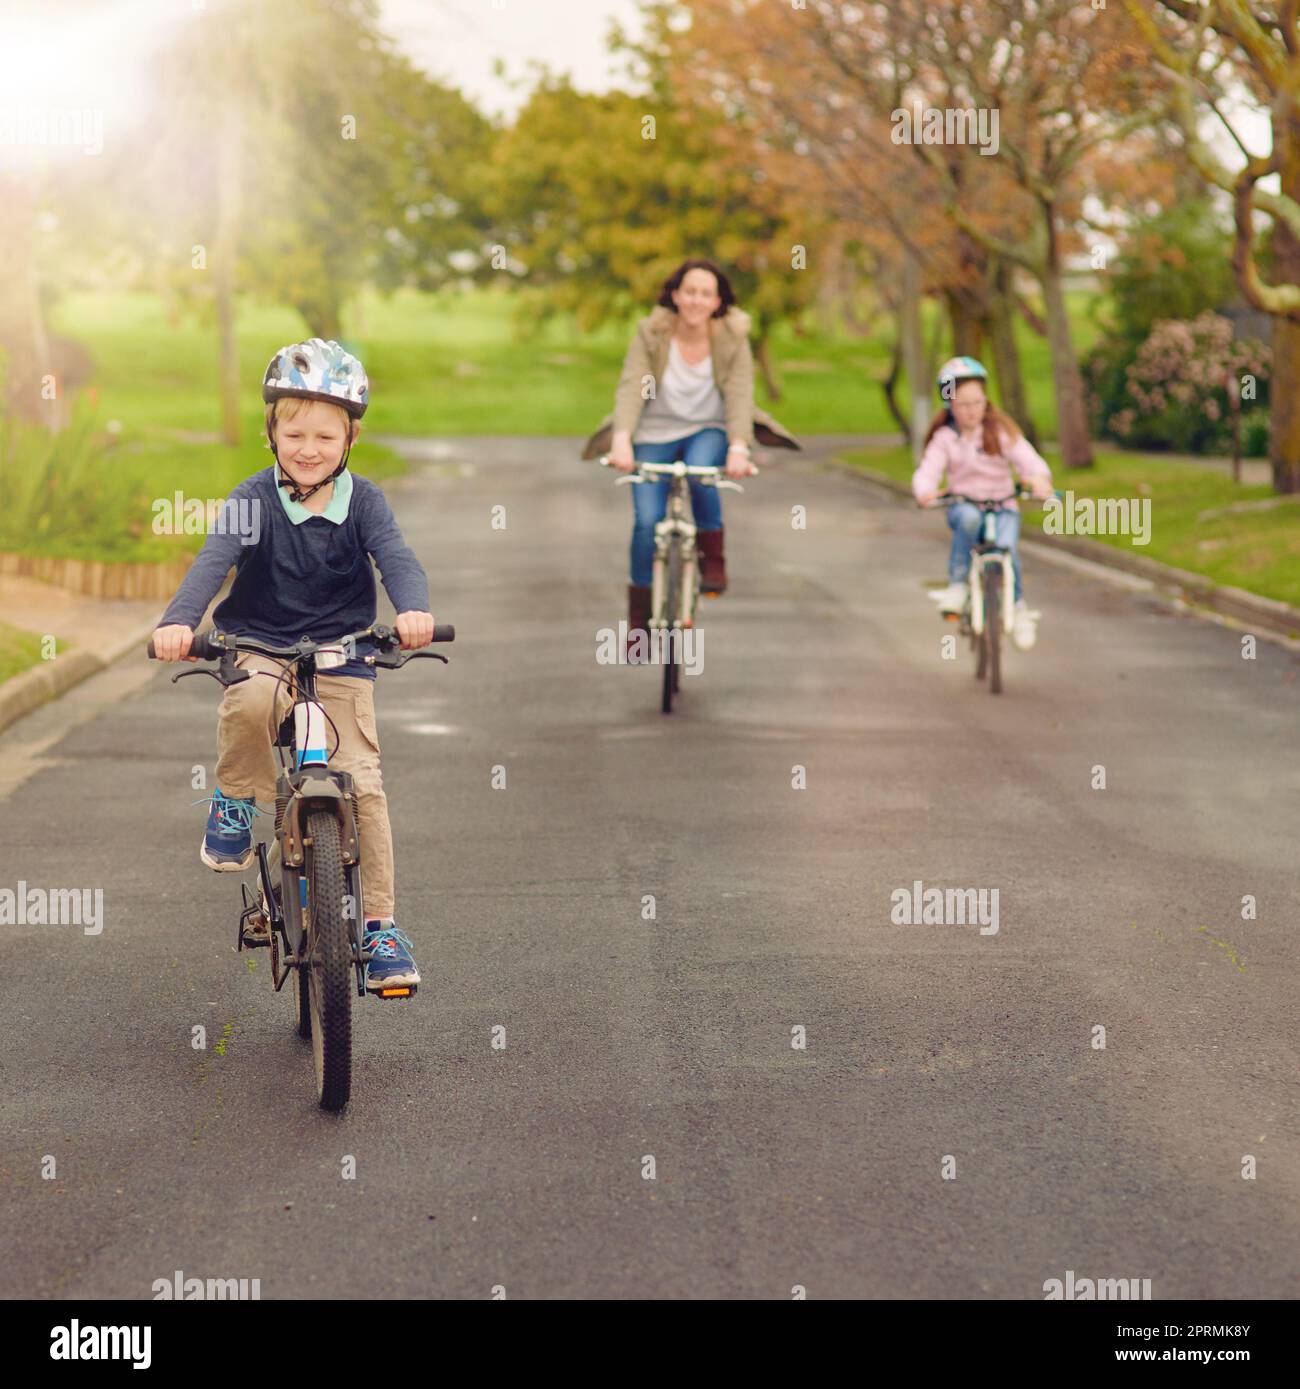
394, 993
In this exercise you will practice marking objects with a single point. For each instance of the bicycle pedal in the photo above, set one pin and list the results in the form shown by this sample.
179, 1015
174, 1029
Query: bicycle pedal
405, 991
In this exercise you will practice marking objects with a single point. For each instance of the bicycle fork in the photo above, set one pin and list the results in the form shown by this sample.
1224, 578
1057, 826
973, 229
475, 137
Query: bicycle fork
670, 532
1003, 559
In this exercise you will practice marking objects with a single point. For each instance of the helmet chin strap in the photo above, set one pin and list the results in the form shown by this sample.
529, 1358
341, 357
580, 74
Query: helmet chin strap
297, 493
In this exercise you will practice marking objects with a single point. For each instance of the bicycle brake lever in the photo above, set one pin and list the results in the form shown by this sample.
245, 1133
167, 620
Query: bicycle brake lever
226, 674
426, 656
185, 674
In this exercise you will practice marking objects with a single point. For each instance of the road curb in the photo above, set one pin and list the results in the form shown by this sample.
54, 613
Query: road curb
24, 693
1236, 603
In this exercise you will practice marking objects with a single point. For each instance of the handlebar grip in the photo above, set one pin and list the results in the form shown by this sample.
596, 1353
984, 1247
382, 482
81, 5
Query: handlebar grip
204, 647
444, 631
201, 646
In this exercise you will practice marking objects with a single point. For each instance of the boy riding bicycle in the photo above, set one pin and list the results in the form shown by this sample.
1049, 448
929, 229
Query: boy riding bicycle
304, 569
979, 448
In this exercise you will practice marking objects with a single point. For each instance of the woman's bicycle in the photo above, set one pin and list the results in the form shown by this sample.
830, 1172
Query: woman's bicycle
675, 578
308, 908
989, 613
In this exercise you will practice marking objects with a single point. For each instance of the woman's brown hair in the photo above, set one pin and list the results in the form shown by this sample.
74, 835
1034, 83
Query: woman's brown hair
999, 430
674, 281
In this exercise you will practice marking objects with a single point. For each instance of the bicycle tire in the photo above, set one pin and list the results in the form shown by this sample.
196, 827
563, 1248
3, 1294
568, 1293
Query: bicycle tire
329, 967
672, 590
677, 664
993, 626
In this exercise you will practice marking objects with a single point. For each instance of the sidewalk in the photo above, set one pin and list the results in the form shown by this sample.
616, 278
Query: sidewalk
97, 631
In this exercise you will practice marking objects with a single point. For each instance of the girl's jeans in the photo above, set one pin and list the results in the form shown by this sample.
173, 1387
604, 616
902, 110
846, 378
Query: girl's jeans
705, 449
965, 520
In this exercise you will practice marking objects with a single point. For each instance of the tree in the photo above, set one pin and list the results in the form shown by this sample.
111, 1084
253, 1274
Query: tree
602, 196
1200, 47
1059, 76
300, 190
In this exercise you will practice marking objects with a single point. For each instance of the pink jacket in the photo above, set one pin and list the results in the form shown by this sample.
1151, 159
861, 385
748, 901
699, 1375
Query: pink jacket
973, 472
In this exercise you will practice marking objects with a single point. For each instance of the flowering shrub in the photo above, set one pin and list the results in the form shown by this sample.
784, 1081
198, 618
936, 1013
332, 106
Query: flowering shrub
1173, 393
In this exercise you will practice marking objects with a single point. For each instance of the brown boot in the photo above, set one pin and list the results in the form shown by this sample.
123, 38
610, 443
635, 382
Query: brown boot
713, 568
638, 616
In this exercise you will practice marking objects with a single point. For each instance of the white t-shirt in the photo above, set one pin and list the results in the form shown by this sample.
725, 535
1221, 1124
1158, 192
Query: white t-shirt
686, 400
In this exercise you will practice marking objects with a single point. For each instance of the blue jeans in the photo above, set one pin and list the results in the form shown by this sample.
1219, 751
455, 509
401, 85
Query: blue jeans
705, 449
965, 521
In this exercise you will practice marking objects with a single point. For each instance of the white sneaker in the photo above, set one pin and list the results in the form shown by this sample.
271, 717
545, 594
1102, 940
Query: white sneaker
951, 599
1024, 626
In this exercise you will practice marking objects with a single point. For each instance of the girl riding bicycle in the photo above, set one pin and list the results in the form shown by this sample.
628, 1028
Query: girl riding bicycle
982, 451
686, 392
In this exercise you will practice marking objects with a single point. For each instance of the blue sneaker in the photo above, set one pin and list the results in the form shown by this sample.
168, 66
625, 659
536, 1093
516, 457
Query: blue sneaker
228, 841
391, 972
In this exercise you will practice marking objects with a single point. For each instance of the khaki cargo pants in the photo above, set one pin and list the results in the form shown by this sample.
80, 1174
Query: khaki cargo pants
247, 723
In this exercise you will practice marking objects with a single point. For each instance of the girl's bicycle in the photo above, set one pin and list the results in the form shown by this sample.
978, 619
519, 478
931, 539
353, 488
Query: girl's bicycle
675, 579
308, 908
989, 614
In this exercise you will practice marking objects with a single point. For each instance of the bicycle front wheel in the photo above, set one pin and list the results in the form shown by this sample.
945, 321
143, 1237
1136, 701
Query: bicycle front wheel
329, 963
673, 596
993, 626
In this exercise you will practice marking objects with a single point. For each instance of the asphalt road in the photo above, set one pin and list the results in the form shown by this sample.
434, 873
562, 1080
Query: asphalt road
774, 1167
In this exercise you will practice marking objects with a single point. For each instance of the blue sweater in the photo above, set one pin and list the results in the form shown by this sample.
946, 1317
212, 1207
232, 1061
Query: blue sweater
312, 579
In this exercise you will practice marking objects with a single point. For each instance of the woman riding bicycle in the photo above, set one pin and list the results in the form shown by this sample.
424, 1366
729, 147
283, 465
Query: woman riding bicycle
686, 392
979, 448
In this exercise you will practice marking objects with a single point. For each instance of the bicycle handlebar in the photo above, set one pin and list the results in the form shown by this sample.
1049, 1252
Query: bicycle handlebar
210, 645
712, 473
1020, 494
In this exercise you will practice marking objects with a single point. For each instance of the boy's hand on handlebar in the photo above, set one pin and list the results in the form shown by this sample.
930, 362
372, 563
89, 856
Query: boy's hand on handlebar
926, 498
173, 643
1042, 489
414, 629
738, 465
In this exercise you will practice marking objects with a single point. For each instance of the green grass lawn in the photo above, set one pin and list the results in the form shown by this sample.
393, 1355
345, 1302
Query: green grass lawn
1255, 550
19, 651
471, 364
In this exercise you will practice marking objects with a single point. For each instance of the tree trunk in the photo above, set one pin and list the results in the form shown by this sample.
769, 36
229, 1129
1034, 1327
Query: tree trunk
1071, 416
225, 253
24, 344
1005, 353
910, 336
963, 317
895, 369
764, 360
323, 314
1284, 413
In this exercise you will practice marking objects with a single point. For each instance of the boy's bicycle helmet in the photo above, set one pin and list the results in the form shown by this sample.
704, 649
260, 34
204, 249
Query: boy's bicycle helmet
956, 370
316, 370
